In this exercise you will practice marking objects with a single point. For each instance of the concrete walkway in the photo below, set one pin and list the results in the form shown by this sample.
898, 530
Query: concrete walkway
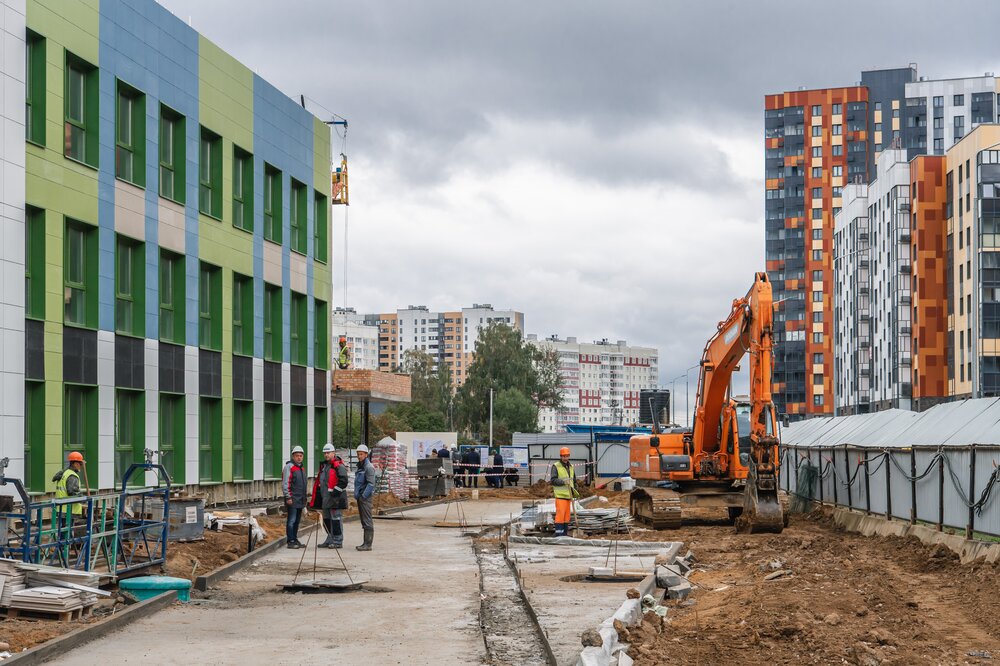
428, 612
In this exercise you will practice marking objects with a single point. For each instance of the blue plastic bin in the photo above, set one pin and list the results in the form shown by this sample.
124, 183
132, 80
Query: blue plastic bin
147, 587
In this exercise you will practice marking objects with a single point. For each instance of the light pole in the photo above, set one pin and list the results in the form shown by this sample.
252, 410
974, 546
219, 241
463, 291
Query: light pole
673, 396
687, 392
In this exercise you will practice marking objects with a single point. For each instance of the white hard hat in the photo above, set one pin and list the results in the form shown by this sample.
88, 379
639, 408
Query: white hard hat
328, 448
362, 449
297, 449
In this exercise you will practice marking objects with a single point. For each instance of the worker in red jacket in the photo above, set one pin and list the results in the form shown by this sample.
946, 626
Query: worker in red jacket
330, 496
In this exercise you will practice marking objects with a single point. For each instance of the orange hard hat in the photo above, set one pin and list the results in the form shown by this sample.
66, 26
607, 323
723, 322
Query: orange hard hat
564, 451
75, 456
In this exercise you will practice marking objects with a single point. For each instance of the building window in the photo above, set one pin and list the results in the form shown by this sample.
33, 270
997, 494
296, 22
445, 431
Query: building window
171, 442
878, 106
80, 420
817, 276
817, 193
818, 316
34, 263
938, 146
210, 439
320, 430
321, 237
836, 109
817, 172
242, 189
81, 94
272, 204
272, 440
129, 432
242, 315
958, 100
210, 174
210, 307
818, 399
272, 323
171, 155
297, 330
34, 90
938, 102
322, 345
297, 218
817, 297
838, 171
171, 297
130, 135
817, 358
817, 130
34, 435
837, 130
817, 110
242, 439
838, 150
818, 338
130, 287
299, 430
817, 151
80, 275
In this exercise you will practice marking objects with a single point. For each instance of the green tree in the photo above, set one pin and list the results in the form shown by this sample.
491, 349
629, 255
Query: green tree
428, 387
504, 362
512, 412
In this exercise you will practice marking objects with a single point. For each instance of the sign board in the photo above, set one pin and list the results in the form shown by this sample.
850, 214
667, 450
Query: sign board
420, 444
191, 514
515, 457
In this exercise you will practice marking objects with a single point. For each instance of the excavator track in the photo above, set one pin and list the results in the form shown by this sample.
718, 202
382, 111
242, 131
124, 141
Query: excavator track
658, 508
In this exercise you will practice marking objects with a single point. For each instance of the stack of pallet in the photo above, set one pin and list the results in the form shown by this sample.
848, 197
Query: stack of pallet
11, 580
389, 459
48, 600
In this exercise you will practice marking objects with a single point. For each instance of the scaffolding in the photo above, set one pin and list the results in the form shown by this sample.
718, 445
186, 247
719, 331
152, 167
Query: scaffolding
112, 533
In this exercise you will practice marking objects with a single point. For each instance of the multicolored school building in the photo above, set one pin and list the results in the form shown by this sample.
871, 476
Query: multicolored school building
167, 212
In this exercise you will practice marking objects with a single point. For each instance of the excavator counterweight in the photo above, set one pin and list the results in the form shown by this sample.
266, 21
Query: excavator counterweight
729, 457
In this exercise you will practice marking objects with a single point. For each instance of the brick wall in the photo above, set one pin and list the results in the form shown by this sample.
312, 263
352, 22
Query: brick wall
371, 382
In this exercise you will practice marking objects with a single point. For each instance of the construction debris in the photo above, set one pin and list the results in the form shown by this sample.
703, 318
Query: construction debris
49, 590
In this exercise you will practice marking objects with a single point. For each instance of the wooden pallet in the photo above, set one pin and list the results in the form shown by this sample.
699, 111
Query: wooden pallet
62, 616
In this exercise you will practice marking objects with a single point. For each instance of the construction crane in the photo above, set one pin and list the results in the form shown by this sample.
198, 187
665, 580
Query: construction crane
729, 457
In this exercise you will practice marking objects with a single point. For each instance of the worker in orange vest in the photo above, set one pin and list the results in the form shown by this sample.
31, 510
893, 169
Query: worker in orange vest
563, 478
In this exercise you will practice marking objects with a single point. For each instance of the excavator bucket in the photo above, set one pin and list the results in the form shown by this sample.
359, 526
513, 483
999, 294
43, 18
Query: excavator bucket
763, 511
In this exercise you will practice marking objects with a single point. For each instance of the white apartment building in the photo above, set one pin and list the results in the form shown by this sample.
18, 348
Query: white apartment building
891, 268
601, 381
852, 304
448, 336
940, 112
362, 337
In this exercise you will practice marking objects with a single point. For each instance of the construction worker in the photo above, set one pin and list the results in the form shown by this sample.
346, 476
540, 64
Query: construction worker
364, 489
293, 489
330, 496
68, 485
563, 479
344, 357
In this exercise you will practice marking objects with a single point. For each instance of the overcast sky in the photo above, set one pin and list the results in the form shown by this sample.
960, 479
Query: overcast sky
598, 166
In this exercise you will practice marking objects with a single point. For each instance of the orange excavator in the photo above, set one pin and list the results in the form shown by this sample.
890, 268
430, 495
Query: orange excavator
729, 458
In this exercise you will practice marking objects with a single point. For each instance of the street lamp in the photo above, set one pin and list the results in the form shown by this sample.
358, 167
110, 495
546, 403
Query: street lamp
673, 395
687, 392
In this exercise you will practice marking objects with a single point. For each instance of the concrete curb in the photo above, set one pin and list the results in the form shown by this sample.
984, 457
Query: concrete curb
63, 644
550, 656
202, 583
968, 550
596, 543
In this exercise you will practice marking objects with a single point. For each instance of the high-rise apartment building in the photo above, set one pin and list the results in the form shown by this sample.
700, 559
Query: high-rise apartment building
361, 332
168, 212
449, 337
852, 363
972, 184
816, 143
601, 381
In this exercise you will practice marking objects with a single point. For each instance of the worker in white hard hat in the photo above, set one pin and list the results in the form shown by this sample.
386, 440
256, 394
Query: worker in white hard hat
330, 496
293, 489
364, 489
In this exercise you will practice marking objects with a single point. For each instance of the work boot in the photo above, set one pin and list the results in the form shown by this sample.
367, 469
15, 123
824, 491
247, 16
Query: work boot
367, 545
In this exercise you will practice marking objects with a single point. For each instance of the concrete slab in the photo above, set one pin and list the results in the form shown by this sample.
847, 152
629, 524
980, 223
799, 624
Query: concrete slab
566, 603
426, 613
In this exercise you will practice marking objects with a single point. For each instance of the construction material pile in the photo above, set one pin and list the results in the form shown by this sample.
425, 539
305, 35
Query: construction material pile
44, 589
603, 520
389, 459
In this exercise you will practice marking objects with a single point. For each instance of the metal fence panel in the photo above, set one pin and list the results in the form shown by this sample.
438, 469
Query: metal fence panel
987, 460
956, 513
899, 484
612, 458
928, 497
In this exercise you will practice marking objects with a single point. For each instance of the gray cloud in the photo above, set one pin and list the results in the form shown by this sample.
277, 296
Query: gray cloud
597, 165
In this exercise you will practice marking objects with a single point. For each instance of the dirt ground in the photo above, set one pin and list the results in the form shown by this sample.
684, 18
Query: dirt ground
849, 599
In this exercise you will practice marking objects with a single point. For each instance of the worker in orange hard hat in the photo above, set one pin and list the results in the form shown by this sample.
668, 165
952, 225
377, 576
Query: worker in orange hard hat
344, 356
68, 481
563, 479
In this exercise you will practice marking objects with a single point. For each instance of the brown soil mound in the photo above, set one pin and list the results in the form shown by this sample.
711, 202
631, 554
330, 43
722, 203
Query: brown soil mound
849, 599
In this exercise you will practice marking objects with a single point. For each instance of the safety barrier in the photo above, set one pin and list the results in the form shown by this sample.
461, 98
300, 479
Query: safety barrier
112, 533
945, 486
